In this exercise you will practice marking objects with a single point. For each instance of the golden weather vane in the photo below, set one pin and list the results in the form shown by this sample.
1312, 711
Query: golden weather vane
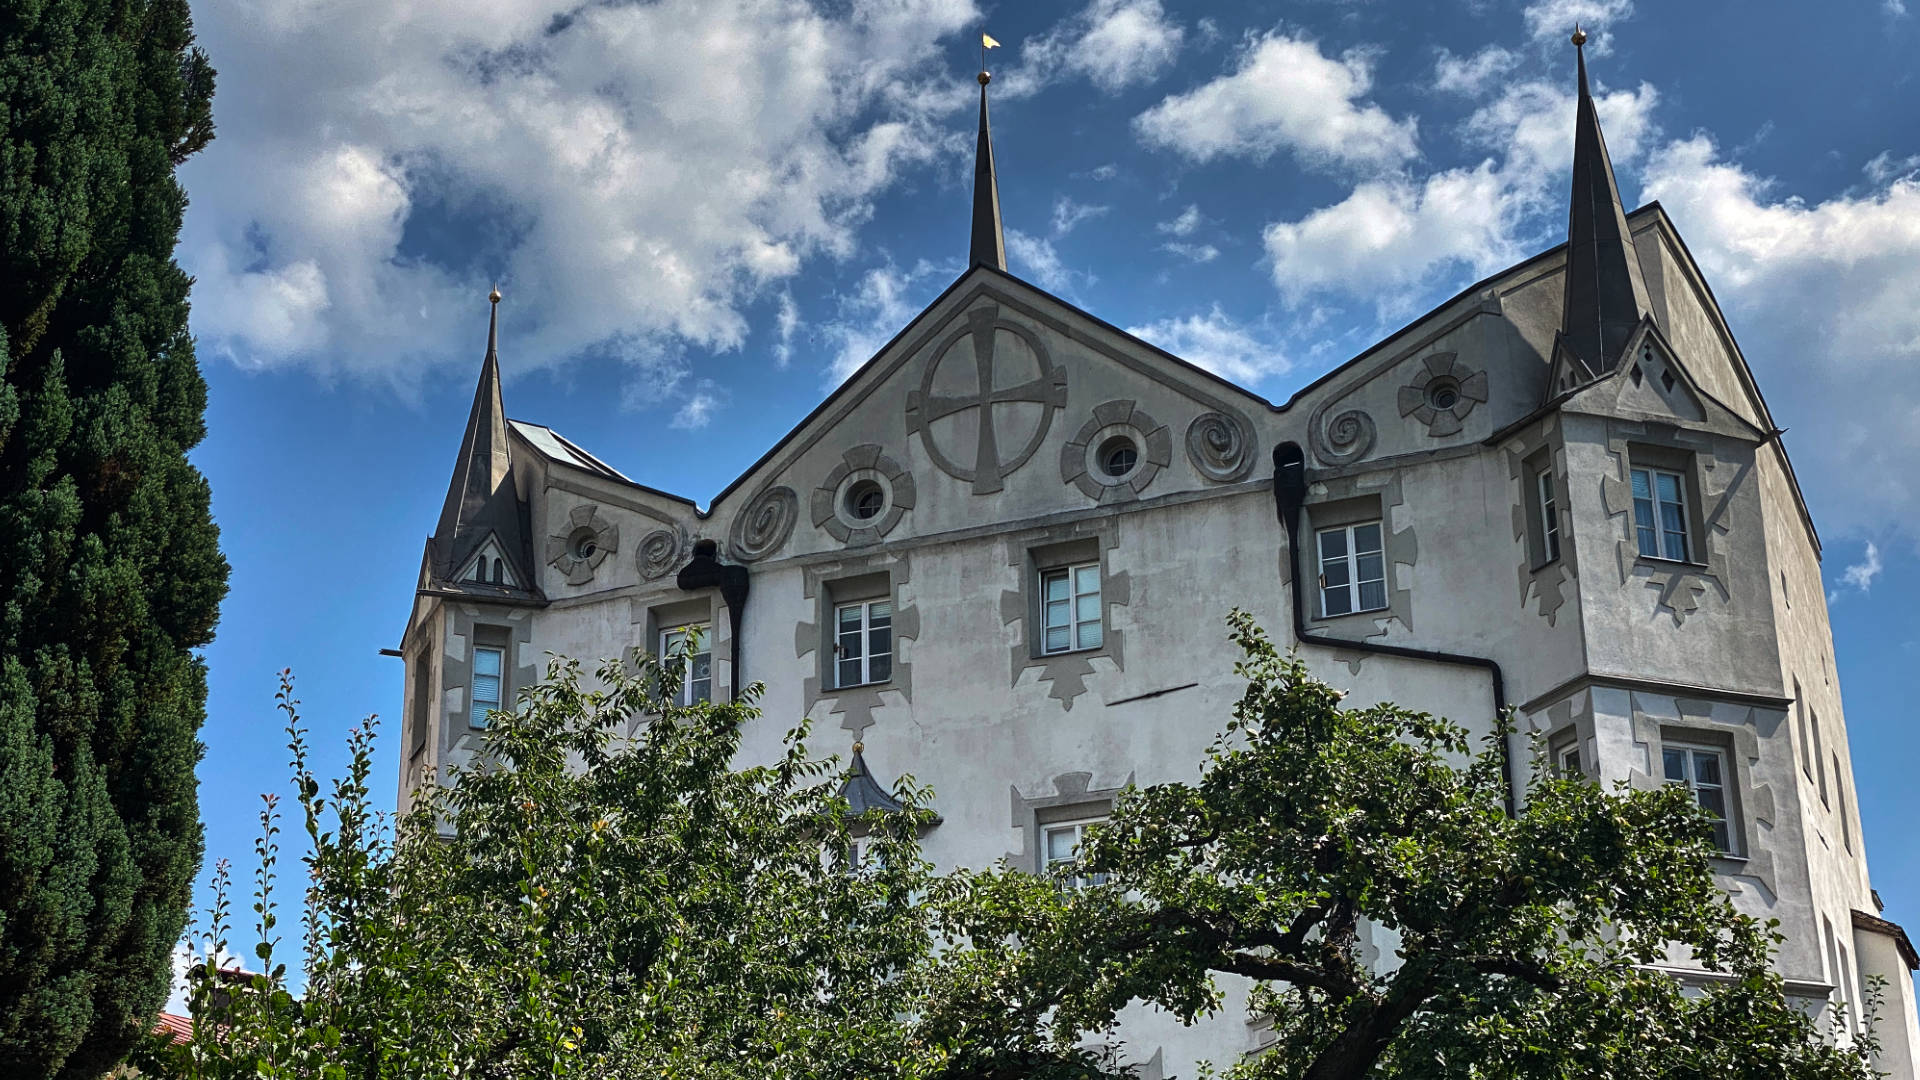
986, 42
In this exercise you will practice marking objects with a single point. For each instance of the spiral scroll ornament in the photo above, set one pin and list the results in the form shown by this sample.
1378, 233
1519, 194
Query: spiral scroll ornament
661, 553
1347, 438
764, 525
1220, 447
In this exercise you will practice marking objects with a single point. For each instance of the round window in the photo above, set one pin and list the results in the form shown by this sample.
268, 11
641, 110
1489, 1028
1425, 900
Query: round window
1118, 456
583, 543
865, 500
1443, 394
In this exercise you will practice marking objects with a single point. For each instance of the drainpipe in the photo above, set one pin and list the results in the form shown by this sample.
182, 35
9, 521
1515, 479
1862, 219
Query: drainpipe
704, 571
1289, 495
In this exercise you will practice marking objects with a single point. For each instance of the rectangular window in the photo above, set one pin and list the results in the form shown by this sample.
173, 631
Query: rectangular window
1353, 569
1660, 514
1070, 608
1806, 737
421, 720
863, 643
1549, 516
1703, 772
1060, 850
1569, 762
1840, 800
687, 651
487, 665
1819, 757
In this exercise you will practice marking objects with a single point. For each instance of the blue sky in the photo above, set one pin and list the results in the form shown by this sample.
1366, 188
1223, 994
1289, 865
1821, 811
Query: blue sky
704, 213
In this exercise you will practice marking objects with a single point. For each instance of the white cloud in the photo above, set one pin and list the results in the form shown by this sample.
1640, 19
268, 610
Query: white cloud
697, 410
1861, 574
1549, 19
1034, 258
1069, 215
1199, 253
1183, 225
1115, 43
1531, 125
1825, 298
878, 308
1894, 8
1885, 167
1219, 343
637, 175
1100, 173
786, 320
1472, 75
1393, 233
1284, 94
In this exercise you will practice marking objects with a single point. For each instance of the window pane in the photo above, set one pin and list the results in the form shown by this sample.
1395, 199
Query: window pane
479, 718
1372, 568
1090, 635
1713, 801
880, 611
1643, 530
1060, 843
1057, 613
486, 661
1642, 488
850, 671
1570, 763
850, 618
1366, 537
1676, 545
880, 640
1056, 639
1056, 585
1671, 519
1337, 601
486, 688
1086, 579
1668, 486
1373, 595
1722, 836
880, 668
1333, 543
1087, 607
1675, 763
1706, 768
1335, 572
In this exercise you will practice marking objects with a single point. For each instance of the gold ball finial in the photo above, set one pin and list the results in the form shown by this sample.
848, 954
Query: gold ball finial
1579, 36
858, 746
494, 296
985, 77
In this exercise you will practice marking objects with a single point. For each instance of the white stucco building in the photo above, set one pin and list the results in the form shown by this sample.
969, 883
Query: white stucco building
1001, 554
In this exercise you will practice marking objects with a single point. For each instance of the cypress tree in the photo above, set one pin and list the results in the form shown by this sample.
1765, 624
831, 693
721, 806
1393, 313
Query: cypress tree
110, 568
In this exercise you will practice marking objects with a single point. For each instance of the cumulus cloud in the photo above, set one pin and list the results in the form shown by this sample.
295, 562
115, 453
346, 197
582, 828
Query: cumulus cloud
1825, 299
1472, 75
1284, 94
635, 174
697, 410
1183, 224
1069, 214
1114, 43
1034, 258
1550, 19
1218, 342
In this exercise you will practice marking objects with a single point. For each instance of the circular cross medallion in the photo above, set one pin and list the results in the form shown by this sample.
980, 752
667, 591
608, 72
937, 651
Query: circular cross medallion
986, 399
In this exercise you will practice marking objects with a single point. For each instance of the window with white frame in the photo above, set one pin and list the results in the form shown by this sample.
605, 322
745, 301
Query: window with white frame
487, 665
1567, 762
686, 651
1702, 771
1660, 513
863, 643
1070, 608
1353, 569
1060, 851
1549, 515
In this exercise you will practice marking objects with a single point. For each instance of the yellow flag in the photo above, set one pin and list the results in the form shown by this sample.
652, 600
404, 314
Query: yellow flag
987, 42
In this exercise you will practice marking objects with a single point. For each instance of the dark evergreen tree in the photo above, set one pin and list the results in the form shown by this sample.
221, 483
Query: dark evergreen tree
110, 569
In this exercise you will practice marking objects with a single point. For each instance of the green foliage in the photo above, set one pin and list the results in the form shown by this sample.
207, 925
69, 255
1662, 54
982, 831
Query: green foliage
605, 896
110, 570
1357, 869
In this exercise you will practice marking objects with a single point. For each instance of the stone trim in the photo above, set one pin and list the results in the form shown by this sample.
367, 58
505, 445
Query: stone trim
1071, 791
606, 541
1739, 729
1680, 585
1115, 418
855, 705
1401, 549
763, 525
663, 551
1547, 583
459, 741
1470, 388
865, 462
1065, 674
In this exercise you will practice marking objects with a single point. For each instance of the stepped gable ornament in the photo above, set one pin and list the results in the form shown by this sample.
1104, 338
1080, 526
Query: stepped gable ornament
991, 372
764, 525
1220, 447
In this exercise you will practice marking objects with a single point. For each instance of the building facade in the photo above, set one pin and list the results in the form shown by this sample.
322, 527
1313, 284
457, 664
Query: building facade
1000, 557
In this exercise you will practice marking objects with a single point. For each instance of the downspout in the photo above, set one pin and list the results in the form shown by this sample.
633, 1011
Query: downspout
704, 571
1289, 495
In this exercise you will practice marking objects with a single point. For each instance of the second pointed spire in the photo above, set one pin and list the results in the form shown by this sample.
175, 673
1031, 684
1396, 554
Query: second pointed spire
989, 245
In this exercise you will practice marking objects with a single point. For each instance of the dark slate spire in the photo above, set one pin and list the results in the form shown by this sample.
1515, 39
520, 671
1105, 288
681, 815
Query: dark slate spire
1606, 297
482, 500
989, 246
862, 792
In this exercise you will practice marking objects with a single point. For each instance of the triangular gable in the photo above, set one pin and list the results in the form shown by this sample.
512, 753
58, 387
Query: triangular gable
1650, 381
490, 565
1018, 298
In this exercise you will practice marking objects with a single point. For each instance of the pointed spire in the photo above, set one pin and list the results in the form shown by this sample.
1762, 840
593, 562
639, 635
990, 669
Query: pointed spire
482, 500
1605, 296
989, 246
